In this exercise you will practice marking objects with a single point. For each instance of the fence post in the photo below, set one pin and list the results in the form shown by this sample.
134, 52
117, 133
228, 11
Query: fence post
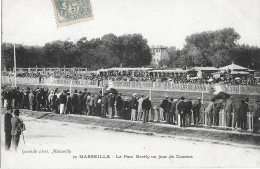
239, 89
151, 94
252, 118
249, 119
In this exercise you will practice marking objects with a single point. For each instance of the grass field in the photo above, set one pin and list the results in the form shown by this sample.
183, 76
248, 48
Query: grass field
157, 96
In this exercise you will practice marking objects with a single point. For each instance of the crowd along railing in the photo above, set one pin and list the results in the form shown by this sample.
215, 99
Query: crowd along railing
236, 89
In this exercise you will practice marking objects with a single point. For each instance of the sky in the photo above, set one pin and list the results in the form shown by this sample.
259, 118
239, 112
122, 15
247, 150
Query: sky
161, 22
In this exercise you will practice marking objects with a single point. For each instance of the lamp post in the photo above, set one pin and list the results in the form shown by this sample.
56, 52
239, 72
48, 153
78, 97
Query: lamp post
14, 67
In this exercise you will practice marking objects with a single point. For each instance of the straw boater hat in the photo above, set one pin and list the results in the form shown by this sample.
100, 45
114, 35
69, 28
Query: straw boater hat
199, 98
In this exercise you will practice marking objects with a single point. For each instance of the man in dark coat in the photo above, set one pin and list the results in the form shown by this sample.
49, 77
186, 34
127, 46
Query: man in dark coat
188, 111
17, 98
68, 107
167, 111
146, 106
38, 100
181, 109
125, 115
17, 125
80, 102
196, 111
26, 100
256, 115
162, 108
20, 99
103, 106
9, 98
98, 97
173, 112
242, 112
13, 97
133, 104
54, 103
74, 101
218, 106
84, 105
118, 103
8, 128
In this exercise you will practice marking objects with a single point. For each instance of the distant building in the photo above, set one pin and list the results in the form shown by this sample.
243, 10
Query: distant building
158, 54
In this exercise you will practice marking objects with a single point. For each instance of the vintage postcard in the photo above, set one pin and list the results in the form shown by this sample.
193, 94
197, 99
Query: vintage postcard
143, 84
69, 12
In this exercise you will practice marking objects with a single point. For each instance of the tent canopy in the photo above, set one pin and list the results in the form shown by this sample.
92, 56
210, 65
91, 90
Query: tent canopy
196, 69
233, 67
232, 72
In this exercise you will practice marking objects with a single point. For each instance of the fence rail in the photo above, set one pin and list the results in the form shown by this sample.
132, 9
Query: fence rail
154, 115
238, 89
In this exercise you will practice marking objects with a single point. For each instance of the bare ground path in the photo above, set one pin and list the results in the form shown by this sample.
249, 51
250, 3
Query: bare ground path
91, 139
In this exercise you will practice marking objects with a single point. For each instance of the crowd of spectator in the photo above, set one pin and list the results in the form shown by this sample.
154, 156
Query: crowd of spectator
111, 104
225, 78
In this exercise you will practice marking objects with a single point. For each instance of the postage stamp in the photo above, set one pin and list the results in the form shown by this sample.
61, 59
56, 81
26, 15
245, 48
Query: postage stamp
68, 12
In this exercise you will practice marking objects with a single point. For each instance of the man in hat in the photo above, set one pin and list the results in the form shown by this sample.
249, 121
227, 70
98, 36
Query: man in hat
240, 115
63, 101
110, 104
188, 111
80, 102
173, 112
97, 103
196, 111
68, 107
229, 108
181, 109
17, 126
133, 104
8, 127
146, 106
177, 111
117, 104
217, 108
84, 105
31, 98
209, 111
125, 114
74, 102
38, 99
162, 108
103, 106
256, 115
140, 108
167, 111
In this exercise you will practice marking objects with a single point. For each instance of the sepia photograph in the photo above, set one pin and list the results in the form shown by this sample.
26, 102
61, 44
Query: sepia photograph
130, 84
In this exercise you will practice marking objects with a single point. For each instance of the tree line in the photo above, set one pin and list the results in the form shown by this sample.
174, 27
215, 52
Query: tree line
130, 50
214, 48
209, 48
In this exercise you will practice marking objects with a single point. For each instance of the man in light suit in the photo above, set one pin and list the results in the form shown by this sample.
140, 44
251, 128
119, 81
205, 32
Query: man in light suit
181, 109
229, 108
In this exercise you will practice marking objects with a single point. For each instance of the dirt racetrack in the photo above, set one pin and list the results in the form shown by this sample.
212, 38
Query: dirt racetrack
45, 138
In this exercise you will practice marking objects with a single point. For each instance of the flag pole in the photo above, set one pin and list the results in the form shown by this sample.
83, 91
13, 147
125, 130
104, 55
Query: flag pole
14, 67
